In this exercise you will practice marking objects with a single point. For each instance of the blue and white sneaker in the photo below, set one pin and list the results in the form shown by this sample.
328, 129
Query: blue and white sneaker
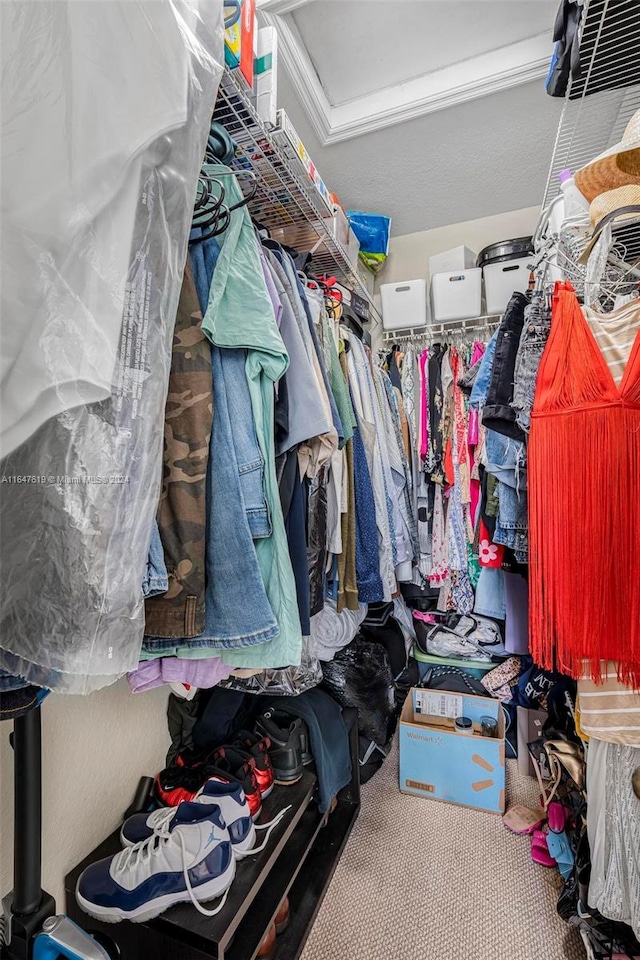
233, 804
188, 857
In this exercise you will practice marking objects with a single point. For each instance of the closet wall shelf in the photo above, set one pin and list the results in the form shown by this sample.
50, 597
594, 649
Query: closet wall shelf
440, 331
298, 862
285, 198
593, 116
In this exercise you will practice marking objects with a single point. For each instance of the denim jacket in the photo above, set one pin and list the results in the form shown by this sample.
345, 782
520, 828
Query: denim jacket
240, 315
480, 389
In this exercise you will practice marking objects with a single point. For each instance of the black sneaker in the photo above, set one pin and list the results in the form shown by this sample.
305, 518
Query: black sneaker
285, 733
307, 756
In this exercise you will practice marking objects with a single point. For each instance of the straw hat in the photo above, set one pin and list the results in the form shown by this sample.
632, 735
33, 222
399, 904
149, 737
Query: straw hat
609, 202
615, 167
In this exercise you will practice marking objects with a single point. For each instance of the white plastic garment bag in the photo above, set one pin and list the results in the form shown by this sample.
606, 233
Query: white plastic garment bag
105, 115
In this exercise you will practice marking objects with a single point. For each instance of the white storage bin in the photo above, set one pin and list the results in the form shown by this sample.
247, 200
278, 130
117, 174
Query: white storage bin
457, 295
457, 258
404, 305
501, 280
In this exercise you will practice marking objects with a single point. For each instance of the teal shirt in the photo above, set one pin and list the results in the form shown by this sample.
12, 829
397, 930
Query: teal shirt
339, 387
240, 314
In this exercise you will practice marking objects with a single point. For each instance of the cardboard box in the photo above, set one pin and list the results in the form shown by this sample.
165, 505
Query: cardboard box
232, 41
367, 277
248, 40
440, 764
457, 258
304, 237
266, 74
289, 131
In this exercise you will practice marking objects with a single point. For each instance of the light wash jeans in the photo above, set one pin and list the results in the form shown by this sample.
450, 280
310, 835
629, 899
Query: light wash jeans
156, 579
238, 613
204, 257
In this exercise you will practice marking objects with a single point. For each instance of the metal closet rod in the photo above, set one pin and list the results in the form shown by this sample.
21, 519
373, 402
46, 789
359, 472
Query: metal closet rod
448, 328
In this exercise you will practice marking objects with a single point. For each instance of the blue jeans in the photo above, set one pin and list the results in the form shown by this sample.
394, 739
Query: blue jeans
480, 389
244, 441
238, 613
512, 528
506, 459
204, 257
155, 580
9, 682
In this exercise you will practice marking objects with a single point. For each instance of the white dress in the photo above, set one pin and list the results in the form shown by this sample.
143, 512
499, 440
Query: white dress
613, 825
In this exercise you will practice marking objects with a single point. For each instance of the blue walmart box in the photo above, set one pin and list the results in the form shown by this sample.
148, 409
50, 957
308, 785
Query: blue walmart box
440, 764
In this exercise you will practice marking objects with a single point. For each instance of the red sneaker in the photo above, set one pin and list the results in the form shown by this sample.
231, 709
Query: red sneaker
175, 784
258, 748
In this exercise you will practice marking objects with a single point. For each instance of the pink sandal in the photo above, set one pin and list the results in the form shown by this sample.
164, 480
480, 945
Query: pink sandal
540, 851
557, 817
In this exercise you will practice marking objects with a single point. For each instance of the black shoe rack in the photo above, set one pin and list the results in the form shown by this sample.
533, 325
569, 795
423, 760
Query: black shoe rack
298, 862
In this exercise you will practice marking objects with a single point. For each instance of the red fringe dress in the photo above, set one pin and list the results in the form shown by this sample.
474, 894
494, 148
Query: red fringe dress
584, 503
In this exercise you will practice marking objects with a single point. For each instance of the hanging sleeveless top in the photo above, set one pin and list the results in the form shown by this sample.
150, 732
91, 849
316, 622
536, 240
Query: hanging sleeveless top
584, 503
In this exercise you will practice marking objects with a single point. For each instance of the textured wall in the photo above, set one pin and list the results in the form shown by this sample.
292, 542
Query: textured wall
409, 255
95, 749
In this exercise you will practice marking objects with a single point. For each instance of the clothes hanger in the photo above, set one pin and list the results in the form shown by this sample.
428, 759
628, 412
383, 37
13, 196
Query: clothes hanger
206, 200
209, 211
248, 197
214, 220
231, 13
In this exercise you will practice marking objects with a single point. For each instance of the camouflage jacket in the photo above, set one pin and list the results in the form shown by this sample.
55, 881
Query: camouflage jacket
180, 612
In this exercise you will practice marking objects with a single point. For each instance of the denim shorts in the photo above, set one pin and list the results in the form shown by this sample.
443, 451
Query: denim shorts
537, 324
512, 528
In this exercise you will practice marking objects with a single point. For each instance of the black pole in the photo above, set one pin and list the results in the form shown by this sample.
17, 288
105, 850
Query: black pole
27, 860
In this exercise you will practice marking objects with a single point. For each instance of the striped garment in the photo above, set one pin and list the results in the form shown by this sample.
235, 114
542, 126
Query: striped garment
609, 711
615, 333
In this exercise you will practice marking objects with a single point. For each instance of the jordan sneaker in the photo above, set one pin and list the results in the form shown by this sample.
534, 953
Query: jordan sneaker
229, 797
188, 857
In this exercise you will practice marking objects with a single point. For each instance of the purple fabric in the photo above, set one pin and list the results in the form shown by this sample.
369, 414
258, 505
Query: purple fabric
516, 592
195, 673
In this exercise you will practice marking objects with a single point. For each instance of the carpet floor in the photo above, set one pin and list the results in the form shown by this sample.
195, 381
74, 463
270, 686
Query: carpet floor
422, 880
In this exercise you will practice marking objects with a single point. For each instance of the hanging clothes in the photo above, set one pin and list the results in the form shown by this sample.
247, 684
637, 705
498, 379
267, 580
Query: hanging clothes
584, 478
240, 315
182, 511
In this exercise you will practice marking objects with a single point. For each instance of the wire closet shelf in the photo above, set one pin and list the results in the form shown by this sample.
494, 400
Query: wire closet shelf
600, 103
598, 106
285, 197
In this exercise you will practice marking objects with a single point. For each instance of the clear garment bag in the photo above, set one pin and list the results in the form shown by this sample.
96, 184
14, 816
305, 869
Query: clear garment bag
97, 248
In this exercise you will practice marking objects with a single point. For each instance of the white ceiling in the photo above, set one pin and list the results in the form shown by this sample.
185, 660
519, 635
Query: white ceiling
357, 48
432, 111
